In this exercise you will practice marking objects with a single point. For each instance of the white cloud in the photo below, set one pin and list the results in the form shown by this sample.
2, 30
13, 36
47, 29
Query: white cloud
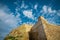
23, 5
35, 6
7, 21
50, 10
17, 13
44, 9
28, 13
47, 9
58, 13
30, 23
9, 18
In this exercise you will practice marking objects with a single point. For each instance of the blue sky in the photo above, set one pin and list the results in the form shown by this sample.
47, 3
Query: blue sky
13, 13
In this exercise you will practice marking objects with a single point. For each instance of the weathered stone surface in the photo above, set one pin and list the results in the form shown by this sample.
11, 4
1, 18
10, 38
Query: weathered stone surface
42, 30
37, 32
52, 31
20, 33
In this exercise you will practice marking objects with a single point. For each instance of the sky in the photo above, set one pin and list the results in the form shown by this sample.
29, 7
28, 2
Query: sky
14, 13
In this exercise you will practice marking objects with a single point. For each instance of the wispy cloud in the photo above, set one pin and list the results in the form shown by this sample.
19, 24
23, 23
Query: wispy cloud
9, 18
17, 13
7, 21
23, 5
28, 13
58, 13
48, 11
35, 6
44, 9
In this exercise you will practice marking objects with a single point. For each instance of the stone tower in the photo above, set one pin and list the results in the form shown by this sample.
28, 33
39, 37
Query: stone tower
43, 30
37, 31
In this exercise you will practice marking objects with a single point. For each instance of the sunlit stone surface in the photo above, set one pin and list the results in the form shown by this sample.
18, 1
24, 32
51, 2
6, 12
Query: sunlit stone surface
20, 33
42, 30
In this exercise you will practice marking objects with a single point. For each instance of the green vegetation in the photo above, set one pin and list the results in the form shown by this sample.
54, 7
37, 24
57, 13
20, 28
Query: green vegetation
13, 38
10, 38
